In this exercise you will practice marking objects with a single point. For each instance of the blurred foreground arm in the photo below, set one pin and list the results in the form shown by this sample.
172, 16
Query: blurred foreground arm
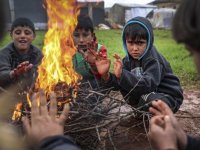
45, 130
162, 134
159, 108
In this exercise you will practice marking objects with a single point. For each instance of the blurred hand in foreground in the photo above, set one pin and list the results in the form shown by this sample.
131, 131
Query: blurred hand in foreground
44, 123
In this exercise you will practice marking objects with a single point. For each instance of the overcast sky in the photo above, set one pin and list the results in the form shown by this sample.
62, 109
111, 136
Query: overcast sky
109, 3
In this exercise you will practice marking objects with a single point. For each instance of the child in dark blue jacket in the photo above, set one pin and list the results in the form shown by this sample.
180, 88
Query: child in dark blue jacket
144, 74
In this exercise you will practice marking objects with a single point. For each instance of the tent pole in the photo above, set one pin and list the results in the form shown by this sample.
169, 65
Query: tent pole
12, 10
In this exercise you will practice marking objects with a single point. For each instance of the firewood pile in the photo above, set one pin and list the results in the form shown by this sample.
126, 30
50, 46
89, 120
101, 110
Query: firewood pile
96, 116
101, 119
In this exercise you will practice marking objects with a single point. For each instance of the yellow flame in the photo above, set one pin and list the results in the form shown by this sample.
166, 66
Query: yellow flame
17, 112
28, 100
58, 50
58, 47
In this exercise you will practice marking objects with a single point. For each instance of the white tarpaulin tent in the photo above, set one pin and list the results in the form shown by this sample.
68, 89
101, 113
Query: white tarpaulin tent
138, 10
121, 13
162, 17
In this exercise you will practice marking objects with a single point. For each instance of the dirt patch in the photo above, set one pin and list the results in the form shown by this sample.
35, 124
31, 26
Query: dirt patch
134, 137
189, 112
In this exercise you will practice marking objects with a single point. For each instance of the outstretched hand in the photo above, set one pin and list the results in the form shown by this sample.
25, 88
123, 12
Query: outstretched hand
118, 66
162, 134
161, 108
44, 123
21, 69
88, 52
90, 56
103, 66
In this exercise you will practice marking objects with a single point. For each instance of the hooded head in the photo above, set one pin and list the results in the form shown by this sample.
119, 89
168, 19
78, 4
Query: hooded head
138, 30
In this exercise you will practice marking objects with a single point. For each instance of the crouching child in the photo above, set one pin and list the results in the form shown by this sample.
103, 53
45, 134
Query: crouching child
143, 75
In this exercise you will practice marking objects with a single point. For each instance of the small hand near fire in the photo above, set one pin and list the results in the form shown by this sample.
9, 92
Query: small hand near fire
103, 66
21, 68
90, 53
44, 123
118, 66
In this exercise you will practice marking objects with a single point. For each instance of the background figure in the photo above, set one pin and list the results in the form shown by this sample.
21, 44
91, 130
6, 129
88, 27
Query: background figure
88, 50
186, 30
19, 59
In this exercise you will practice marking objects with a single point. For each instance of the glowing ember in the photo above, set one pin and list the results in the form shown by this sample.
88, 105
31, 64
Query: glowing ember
17, 113
57, 66
28, 100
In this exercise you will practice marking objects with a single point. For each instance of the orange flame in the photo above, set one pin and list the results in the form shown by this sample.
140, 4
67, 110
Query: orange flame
17, 112
28, 99
58, 47
58, 50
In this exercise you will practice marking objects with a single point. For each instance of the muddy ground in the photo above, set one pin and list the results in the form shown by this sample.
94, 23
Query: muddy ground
188, 116
189, 113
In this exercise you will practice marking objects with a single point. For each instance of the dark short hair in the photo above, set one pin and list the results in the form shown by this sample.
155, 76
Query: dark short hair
135, 32
85, 22
23, 22
186, 24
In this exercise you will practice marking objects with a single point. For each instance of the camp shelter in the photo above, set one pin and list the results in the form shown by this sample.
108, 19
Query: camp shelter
121, 13
166, 3
93, 8
34, 10
162, 17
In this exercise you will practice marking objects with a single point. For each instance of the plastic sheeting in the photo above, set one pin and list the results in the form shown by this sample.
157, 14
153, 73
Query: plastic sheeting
135, 12
162, 17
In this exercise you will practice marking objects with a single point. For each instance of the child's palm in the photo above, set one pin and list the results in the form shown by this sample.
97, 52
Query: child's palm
118, 68
22, 68
103, 66
90, 57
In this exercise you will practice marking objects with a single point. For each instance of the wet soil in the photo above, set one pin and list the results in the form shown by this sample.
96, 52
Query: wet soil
135, 137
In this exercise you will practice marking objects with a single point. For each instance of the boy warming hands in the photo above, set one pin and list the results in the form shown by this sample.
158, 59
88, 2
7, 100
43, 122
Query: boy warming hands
143, 75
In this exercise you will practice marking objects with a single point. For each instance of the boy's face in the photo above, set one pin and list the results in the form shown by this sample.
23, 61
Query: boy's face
82, 38
136, 48
22, 37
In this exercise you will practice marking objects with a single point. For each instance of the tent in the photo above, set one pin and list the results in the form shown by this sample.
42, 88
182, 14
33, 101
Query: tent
93, 8
33, 9
162, 17
121, 13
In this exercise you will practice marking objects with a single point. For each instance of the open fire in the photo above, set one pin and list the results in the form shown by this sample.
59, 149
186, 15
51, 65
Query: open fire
56, 72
